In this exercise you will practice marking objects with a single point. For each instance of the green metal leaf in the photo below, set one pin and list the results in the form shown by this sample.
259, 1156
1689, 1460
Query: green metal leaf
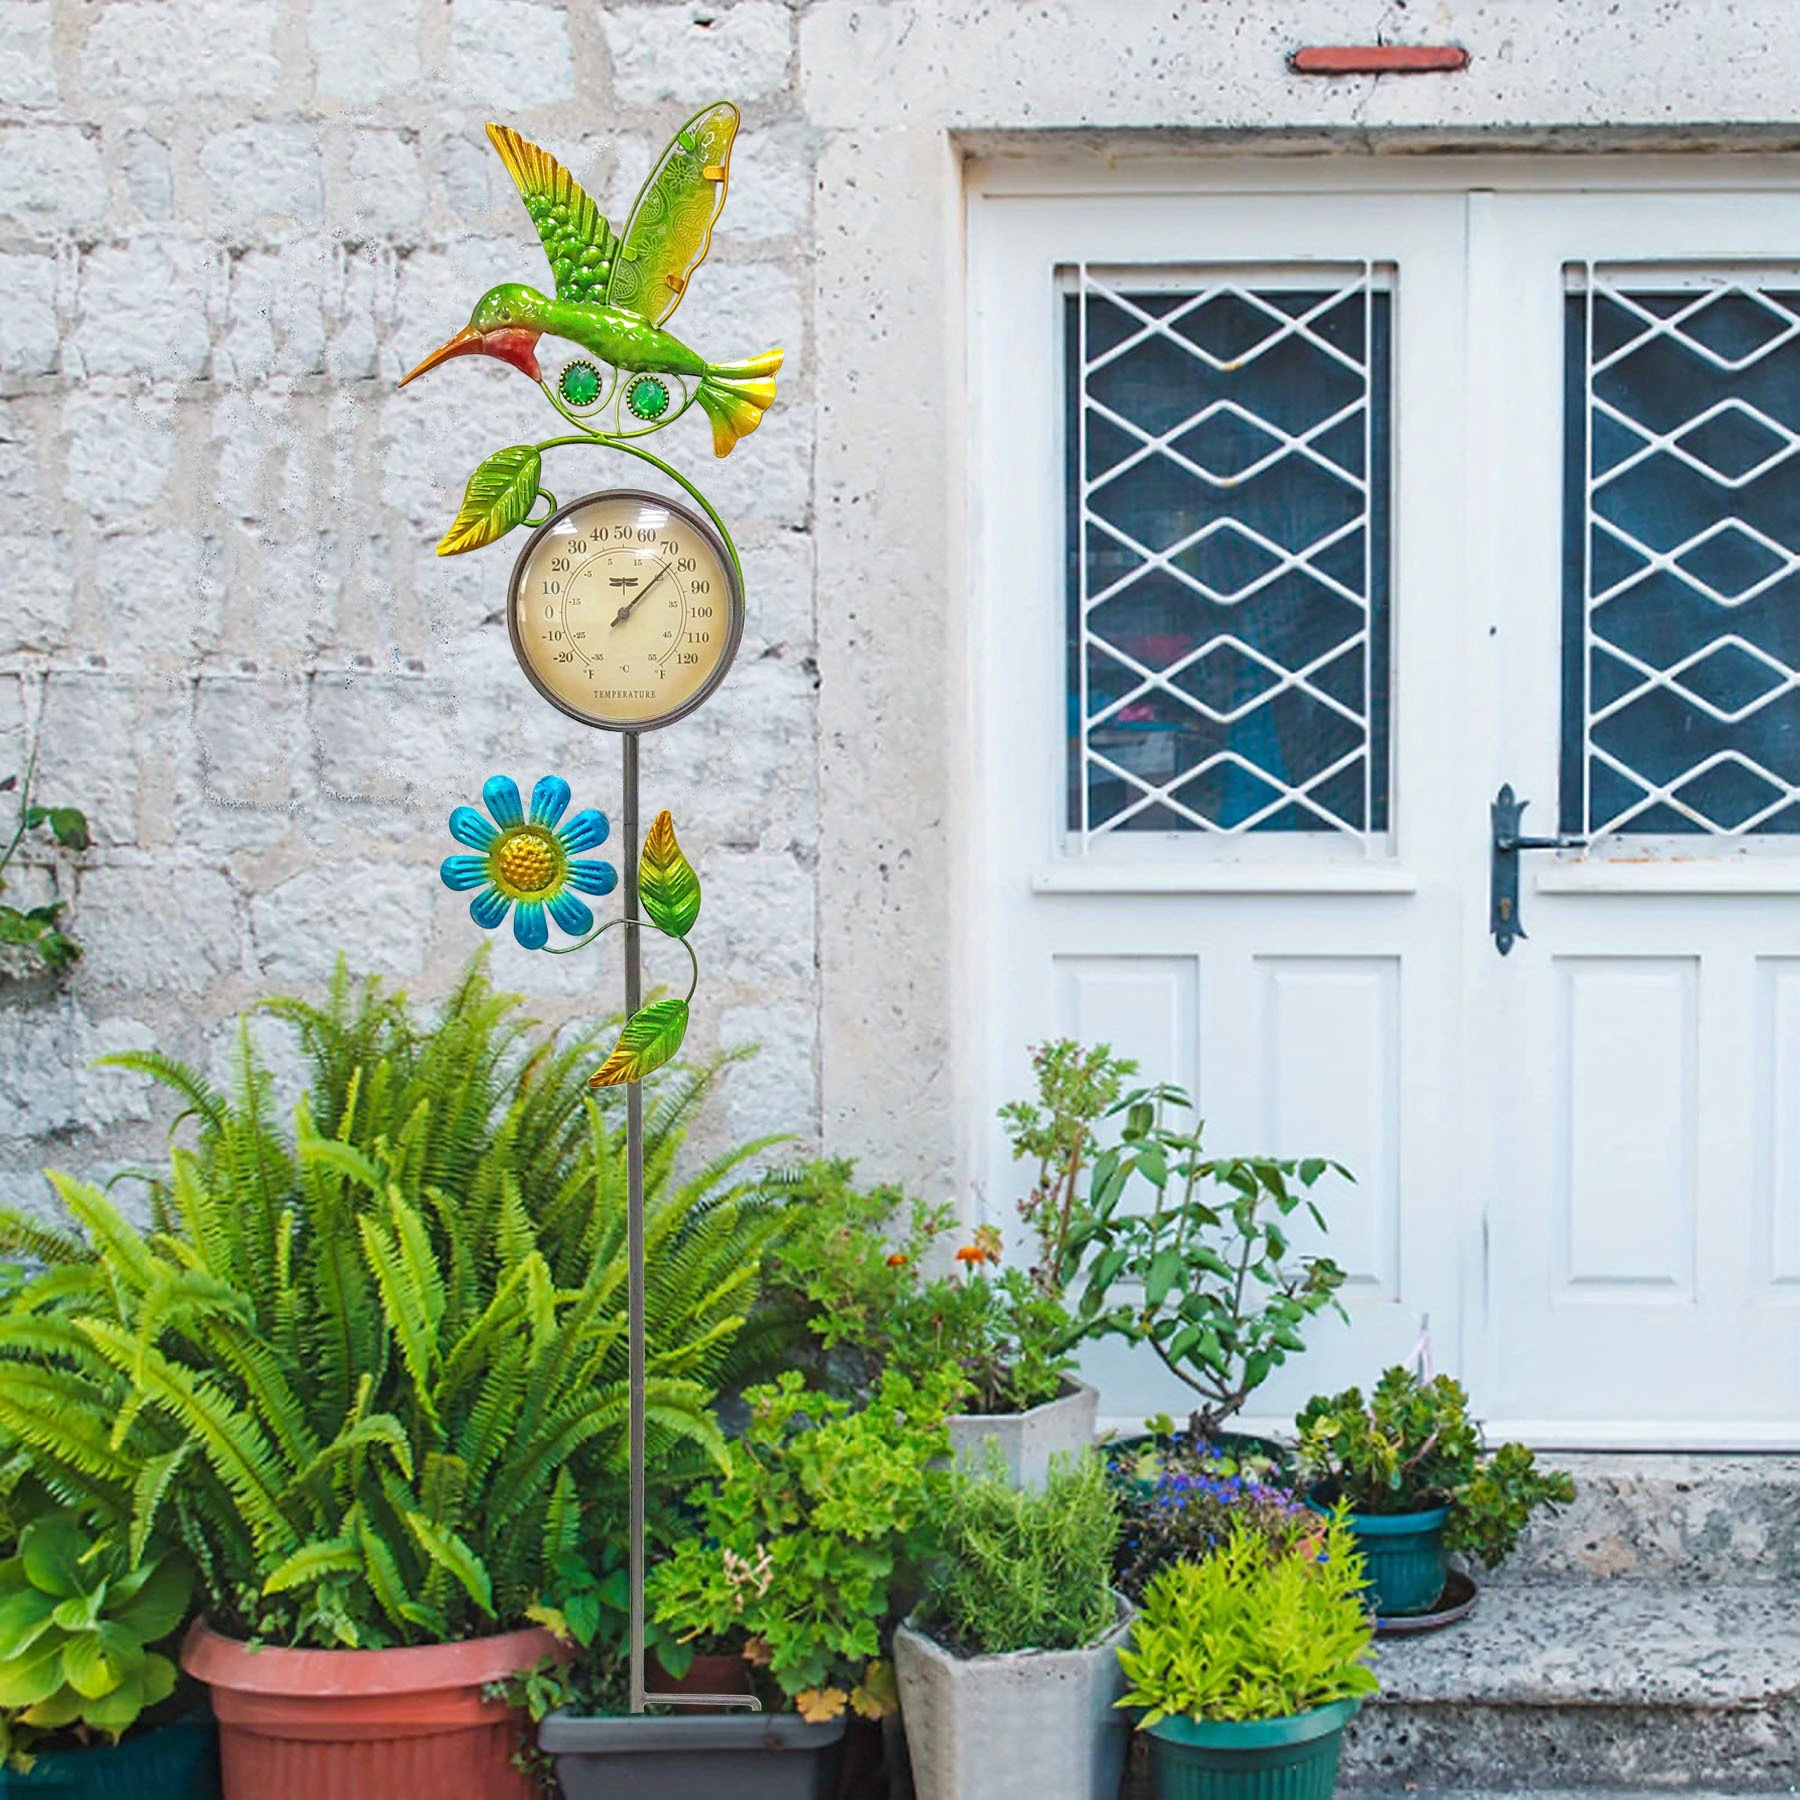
651, 1036
499, 495
666, 881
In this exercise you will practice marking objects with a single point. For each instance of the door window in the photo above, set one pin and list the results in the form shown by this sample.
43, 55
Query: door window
1681, 669
1227, 504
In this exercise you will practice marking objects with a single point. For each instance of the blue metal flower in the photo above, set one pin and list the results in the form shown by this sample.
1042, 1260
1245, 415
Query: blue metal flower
529, 863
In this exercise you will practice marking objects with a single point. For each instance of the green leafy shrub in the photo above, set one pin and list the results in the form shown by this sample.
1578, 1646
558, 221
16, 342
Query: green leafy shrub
1248, 1633
1217, 1290
80, 1621
1016, 1570
851, 1275
802, 1540
1413, 1446
373, 1376
38, 928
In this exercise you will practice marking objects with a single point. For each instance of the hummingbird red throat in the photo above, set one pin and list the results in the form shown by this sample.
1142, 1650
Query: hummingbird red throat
515, 344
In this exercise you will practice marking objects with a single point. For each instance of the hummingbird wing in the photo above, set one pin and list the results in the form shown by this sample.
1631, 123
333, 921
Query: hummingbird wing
577, 238
670, 229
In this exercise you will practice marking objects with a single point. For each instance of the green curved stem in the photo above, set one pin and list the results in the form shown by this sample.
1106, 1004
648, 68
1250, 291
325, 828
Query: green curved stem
674, 474
600, 931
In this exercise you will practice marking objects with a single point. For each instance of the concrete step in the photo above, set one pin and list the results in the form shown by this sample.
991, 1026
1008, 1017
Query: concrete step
1621, 1684
1695, 1518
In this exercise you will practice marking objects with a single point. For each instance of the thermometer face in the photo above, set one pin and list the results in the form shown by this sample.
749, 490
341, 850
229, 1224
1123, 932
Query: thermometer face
625, 610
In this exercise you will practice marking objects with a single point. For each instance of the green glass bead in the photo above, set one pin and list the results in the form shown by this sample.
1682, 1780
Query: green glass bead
580, 384
648, 398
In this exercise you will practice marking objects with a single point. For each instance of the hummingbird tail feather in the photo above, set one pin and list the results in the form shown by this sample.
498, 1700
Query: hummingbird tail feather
736, 395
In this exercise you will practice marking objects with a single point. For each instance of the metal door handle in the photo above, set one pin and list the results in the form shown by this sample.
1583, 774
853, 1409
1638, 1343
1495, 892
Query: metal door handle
1503, 864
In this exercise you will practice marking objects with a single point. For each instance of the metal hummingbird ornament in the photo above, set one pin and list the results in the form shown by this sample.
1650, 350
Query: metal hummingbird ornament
625, 608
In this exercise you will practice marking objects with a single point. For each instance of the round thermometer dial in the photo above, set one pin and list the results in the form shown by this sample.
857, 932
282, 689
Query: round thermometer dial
625, 610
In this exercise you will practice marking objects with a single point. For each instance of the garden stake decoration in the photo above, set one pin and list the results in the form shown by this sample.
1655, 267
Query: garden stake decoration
625, 608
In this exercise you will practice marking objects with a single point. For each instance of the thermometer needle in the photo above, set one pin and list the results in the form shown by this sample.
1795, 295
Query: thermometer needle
626, 610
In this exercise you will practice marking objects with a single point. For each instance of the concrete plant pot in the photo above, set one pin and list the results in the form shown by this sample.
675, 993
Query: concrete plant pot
1033, 1725
1061, 1427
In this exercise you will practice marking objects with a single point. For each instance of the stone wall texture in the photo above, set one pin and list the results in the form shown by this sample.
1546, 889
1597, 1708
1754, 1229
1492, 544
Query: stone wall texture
228, 226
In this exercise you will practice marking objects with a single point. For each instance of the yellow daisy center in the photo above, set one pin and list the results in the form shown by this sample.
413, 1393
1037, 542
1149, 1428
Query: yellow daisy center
527, 863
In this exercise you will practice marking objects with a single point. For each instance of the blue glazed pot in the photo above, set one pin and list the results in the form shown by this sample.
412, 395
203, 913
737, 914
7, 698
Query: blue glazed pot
1295, 1758
179, 1761
1404, 1555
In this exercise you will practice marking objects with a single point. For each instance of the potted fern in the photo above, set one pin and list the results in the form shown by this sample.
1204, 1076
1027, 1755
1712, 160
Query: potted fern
1009, 1669
89, 1701
370, 1374
1245, 1667
1409, 1466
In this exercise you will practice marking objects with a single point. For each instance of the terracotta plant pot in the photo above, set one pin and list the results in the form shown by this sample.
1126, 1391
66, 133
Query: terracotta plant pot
354, 1724
727, 1673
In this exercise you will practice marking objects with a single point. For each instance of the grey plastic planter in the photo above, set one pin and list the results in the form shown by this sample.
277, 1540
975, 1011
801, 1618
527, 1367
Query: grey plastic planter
1036, 1725
1060, 1427
748, 1756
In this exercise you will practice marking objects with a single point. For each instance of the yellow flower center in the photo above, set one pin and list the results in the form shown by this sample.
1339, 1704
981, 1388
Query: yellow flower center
527, 863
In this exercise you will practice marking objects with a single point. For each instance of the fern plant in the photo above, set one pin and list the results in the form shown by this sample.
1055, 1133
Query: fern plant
372, 1372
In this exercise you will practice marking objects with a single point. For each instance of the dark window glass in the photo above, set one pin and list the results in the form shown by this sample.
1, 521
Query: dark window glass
1227, 499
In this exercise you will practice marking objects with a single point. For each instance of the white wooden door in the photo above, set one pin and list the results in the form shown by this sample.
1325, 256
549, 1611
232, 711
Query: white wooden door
1639, 566
1270, 595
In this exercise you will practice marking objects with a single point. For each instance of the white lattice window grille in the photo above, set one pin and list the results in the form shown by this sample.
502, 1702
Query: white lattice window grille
1681, 668
1227, 499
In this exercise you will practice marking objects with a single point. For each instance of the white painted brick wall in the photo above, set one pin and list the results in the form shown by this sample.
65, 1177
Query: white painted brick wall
228, 226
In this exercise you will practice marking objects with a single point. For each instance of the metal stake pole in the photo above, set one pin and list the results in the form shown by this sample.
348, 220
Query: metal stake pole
634, 1219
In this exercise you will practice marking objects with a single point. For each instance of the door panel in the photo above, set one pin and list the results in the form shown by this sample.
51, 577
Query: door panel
1643, 616
1244, 836
1218, 835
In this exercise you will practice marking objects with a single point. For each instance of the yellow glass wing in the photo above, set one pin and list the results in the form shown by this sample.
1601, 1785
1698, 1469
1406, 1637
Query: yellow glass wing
577, 238
671, 225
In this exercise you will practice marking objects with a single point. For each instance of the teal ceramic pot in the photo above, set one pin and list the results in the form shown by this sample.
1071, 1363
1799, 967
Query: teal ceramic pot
179, 1761
1295, 1758
1405, 1557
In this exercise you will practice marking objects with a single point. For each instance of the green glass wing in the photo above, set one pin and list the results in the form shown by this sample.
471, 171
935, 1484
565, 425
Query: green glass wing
577, 238
670, 229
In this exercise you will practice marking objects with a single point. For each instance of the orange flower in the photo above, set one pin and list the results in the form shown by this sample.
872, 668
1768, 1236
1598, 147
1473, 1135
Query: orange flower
971, 1253
897, 1260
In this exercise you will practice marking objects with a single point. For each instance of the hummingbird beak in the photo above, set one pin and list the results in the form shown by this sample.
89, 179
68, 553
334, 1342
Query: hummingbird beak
515, 344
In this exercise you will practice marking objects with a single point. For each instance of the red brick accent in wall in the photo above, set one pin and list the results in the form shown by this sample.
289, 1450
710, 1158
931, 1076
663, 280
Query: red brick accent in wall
1378, 59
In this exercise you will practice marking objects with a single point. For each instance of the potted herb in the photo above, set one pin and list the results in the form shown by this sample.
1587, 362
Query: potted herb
88, 1690
1009, 1669
850, 1281
372, 1379
1409, 1465
1246, 1666
796, 1559
1215, 1287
